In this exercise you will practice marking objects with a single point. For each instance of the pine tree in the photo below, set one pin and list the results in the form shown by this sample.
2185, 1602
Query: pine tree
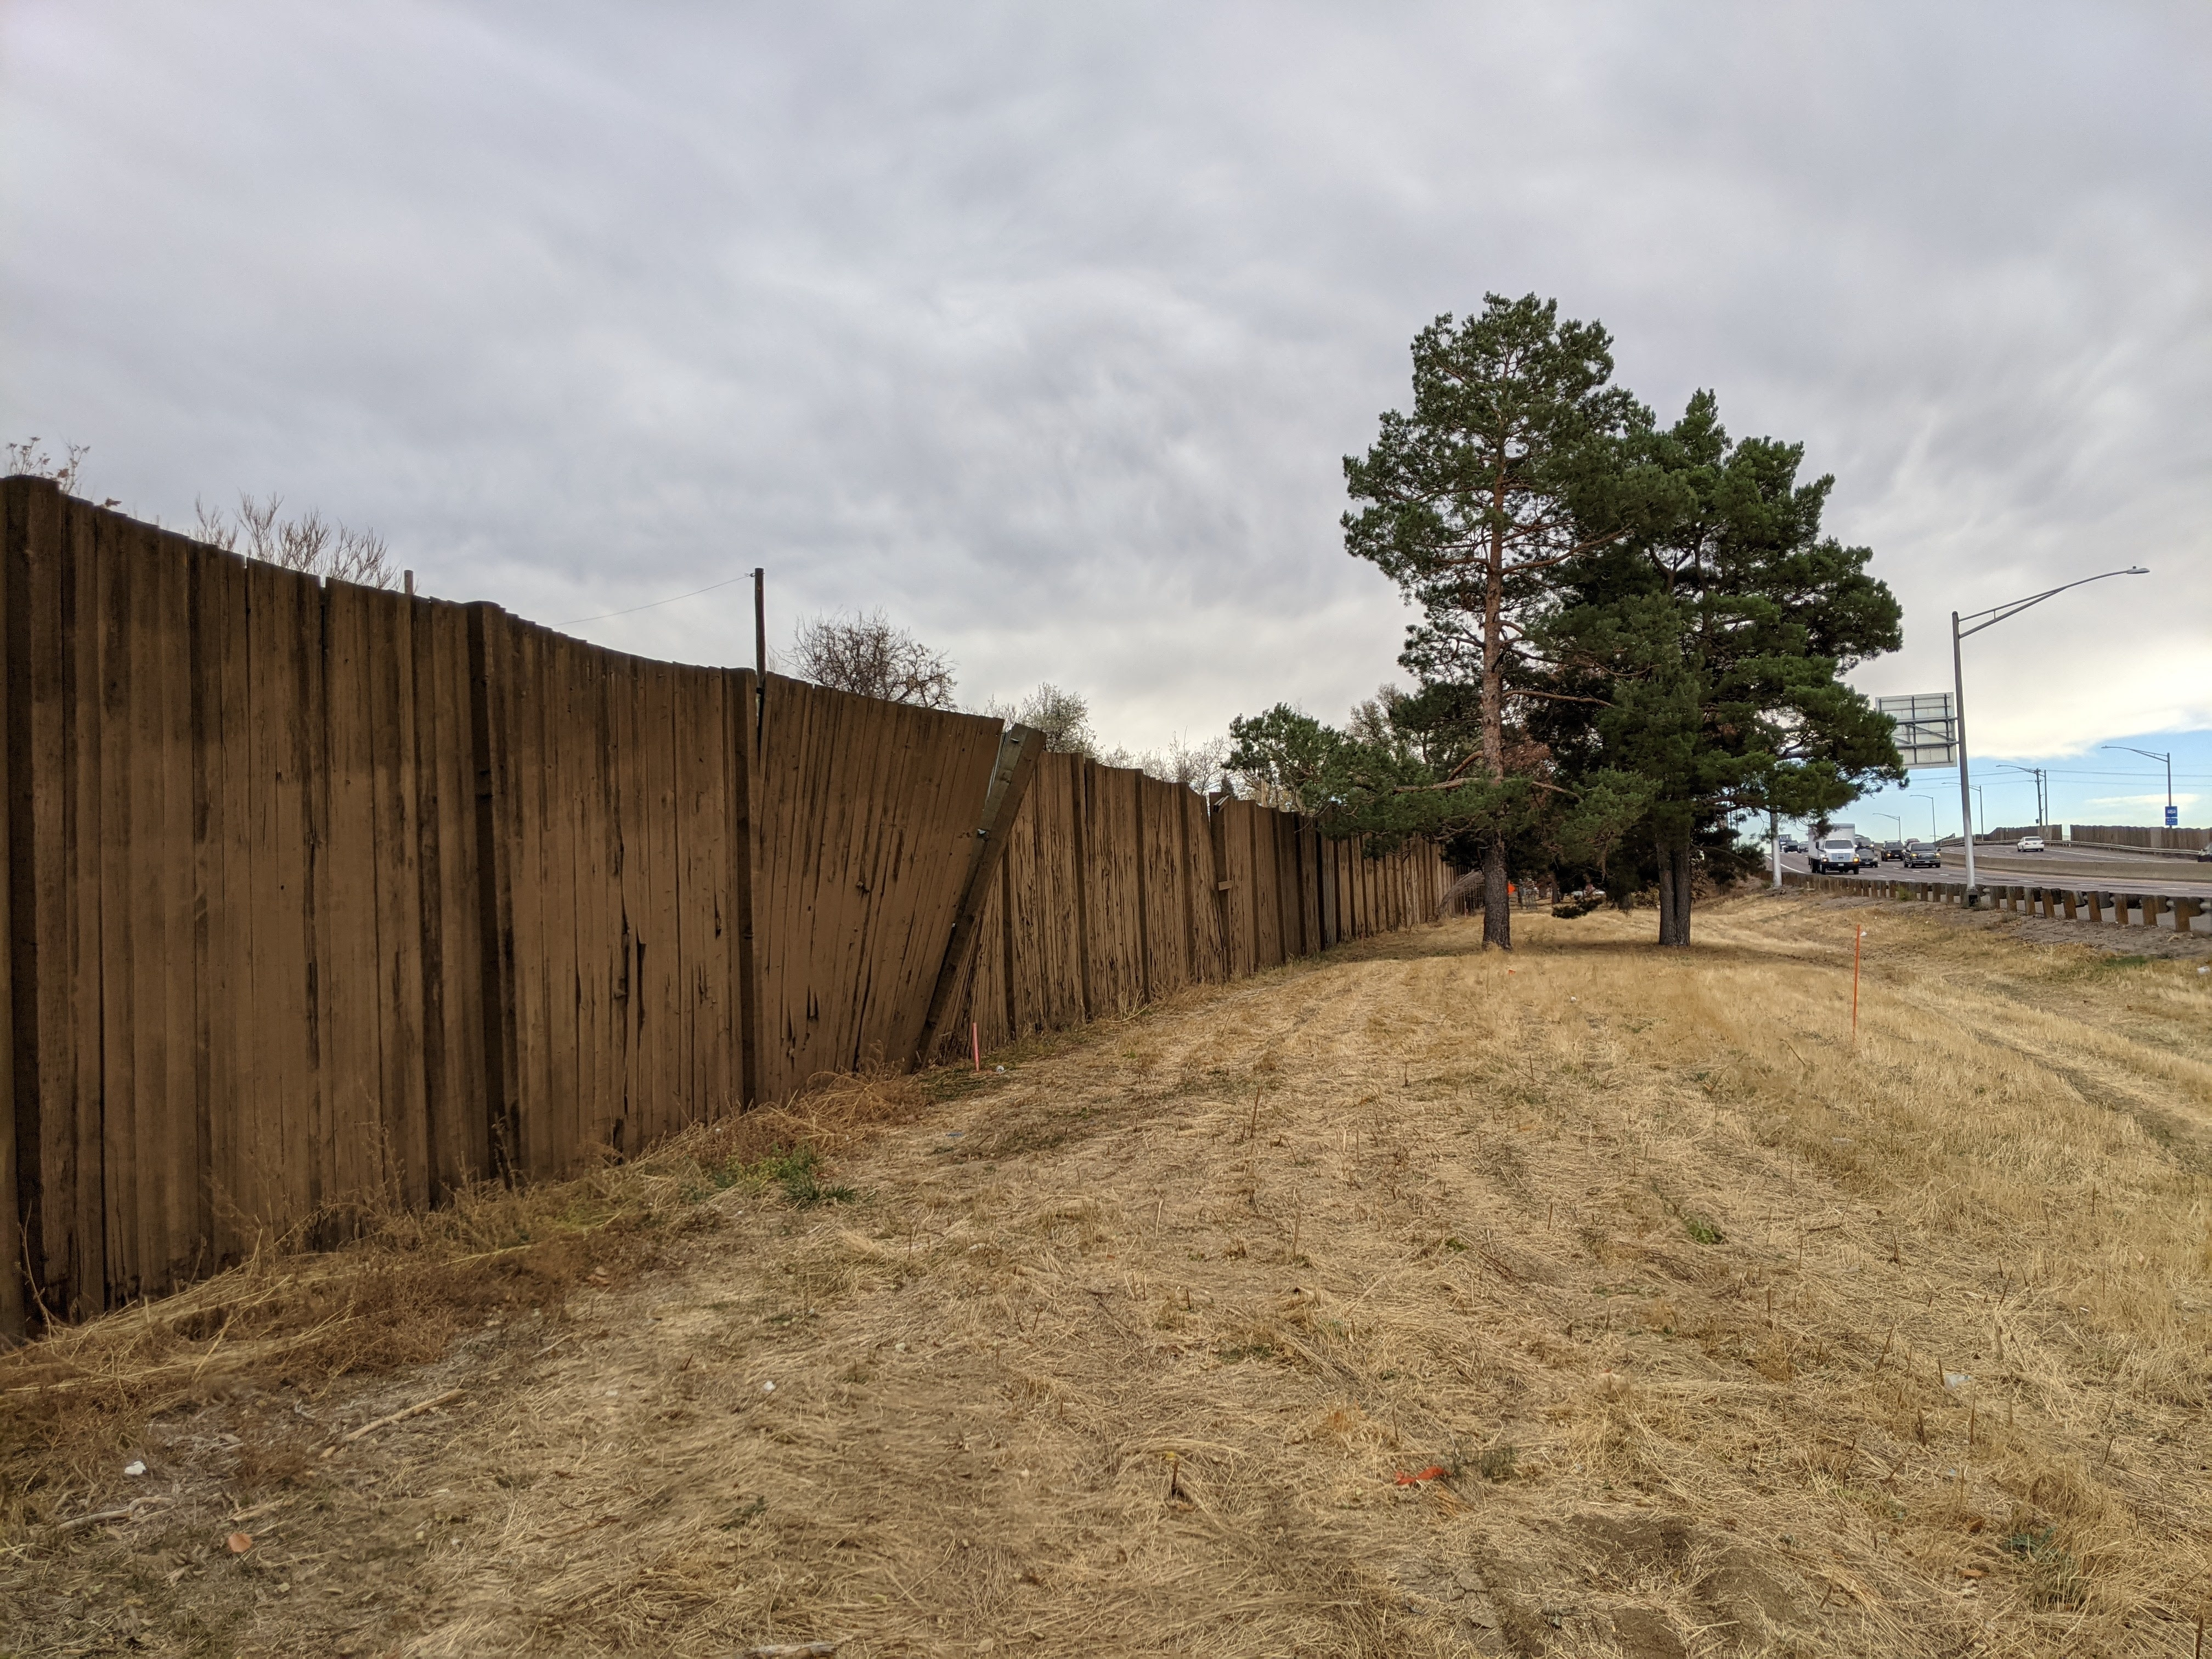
1510, 467
1710, 645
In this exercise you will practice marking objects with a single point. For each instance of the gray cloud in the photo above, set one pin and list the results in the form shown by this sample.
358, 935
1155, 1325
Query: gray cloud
1047, 332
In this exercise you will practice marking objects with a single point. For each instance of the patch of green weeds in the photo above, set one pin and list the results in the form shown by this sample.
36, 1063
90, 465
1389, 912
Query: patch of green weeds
746, 1516
797, 1170
1236, 1351
1699, 1228
1454, 1244
2054, 1577
1498, 1462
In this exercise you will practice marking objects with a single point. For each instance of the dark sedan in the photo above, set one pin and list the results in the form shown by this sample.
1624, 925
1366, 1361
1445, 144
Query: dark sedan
1918, 855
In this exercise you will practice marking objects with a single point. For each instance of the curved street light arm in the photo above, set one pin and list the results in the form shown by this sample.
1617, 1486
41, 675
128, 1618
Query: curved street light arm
1997, 614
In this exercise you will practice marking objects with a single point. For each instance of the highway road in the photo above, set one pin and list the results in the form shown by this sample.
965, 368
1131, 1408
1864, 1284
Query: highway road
2082, 866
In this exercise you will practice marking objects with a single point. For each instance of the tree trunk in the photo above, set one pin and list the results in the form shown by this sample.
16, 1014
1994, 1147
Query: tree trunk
1666, 894
1674, 894
1497, 914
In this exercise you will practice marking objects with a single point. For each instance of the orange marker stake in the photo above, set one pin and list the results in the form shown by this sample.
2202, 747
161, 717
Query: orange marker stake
1856, 944
975, 1035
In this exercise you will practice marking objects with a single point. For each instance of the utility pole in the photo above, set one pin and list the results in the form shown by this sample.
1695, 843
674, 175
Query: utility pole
2042, 797
760, 651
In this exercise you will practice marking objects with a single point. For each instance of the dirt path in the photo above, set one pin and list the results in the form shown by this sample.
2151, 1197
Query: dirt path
1418, 1301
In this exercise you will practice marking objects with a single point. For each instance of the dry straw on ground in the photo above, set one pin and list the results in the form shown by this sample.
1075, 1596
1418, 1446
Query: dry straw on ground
1690, 1327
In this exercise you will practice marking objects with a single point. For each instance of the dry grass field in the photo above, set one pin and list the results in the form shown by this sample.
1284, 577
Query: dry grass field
1411, 1302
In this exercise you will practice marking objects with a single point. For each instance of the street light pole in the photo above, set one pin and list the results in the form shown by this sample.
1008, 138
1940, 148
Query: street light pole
2152, 754
1991, 618
1930, 800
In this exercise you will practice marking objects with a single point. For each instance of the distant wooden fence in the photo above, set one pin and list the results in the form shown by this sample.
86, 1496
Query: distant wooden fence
318, 894
2181, 840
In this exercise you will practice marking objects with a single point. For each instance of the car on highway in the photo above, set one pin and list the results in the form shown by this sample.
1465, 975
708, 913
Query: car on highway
1891, 849
2205, 857
1791, 844
2029, 844
1919, 855
1833, 855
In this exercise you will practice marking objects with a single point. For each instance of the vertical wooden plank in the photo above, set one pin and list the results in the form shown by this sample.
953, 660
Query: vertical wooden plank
740, 708
220, 942
269, 1173
598, 916
1310, 940
1112, 903
668, 1042
640, 932
1232, 862
177, 1242
14, 1252
696, 990
57, 966
123, 1095
566, 1116
1207, 896
614, 956
345, 907
396, 791
710, 907
456, 1079
492, 741
322, 1154
536, 1141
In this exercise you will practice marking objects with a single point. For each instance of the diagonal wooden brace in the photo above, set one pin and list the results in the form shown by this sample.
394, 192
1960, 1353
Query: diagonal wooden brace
1010, 782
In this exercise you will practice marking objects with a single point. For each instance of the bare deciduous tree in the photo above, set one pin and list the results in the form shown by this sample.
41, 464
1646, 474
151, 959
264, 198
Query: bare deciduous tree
27, 460
1062, 716
867, 655
307, 542
1194, 765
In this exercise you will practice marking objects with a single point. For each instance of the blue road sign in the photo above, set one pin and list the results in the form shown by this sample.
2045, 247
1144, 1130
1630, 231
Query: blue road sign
2172, 819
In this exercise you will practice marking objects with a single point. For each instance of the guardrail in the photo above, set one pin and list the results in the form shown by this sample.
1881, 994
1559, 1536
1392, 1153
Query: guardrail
2132, 906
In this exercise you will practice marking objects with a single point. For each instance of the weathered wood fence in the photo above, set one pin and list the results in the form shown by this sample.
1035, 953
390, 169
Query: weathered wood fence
318, 895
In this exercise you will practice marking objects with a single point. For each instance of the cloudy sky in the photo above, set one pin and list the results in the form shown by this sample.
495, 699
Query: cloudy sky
1046, 328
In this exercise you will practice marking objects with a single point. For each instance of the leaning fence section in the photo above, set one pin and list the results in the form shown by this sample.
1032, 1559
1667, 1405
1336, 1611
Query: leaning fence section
1116, 890
869, 814
321, 896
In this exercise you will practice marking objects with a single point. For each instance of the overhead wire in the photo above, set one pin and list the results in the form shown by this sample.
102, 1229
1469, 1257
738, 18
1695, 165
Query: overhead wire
654, 603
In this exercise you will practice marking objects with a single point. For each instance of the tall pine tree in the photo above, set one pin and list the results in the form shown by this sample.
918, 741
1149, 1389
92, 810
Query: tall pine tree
1510, 468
